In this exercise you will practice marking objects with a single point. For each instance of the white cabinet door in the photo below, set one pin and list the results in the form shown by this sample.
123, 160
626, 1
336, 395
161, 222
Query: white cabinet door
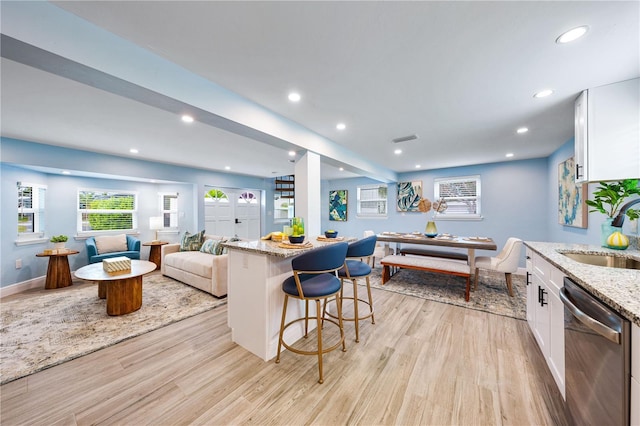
607, 132
555, 354
541, 331
580, 137
531, 293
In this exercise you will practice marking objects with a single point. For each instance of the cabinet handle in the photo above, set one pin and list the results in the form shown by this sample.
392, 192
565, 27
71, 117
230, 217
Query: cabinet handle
539, 294
578, 174
528, 257
528, 276
542, 301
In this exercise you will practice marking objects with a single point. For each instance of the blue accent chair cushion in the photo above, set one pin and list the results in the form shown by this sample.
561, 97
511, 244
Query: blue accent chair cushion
133, 250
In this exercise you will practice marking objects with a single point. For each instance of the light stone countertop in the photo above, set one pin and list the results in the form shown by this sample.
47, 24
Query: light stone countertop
271, 248
619, 288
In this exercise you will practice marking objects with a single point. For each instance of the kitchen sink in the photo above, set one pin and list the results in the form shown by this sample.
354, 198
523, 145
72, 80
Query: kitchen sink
610, 261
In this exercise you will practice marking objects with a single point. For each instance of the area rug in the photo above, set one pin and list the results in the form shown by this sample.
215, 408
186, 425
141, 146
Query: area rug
43, 328
491, 295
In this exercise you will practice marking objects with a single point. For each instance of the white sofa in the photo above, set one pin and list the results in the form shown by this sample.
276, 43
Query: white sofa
205, 271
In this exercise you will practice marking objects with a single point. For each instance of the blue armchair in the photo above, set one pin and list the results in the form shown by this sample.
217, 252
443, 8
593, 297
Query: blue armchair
133, 250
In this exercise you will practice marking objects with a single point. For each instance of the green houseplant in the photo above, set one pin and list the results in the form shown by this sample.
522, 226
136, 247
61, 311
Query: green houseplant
59, 239
608, 199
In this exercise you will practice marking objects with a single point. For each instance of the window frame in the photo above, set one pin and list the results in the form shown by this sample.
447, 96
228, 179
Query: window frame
80, 212
163, 211
359, 201
477, 197
37, 209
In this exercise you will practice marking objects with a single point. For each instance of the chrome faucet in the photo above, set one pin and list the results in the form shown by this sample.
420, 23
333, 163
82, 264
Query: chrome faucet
619, 220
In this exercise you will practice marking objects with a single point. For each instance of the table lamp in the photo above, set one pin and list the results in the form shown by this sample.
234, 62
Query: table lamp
156, 223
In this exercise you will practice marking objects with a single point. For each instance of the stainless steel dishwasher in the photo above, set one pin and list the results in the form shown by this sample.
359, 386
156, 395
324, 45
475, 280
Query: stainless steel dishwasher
597, 359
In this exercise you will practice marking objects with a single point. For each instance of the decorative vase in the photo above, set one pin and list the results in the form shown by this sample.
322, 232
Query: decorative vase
606, 229
297, 225
618, 241
431, 230
58, 246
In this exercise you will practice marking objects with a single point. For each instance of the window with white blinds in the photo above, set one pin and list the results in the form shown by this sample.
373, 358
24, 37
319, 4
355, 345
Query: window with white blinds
169, 207
371, 201
462, 195
31, 210
100, 210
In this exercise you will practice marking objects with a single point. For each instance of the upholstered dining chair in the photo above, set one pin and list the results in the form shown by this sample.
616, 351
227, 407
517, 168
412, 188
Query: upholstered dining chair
314, 279
506, 261
379, 252
357, 266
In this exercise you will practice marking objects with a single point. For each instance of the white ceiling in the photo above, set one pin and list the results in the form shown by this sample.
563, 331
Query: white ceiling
461, 75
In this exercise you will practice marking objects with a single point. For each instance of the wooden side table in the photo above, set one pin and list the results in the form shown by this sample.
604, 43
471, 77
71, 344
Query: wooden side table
58, 272
155, 252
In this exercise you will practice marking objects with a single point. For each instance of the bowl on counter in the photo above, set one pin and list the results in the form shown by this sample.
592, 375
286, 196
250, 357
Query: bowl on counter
296, 239
330, 234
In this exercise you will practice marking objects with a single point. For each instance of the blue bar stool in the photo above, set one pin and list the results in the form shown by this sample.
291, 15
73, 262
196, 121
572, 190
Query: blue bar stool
357, 266
314, 278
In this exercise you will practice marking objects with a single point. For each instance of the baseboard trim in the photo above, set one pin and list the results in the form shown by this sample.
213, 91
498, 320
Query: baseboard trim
22, 286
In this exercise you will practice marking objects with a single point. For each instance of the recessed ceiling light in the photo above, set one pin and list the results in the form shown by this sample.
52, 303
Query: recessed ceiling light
133, 151
294, 97
341, 126
418, 166
397, 151
543, 93
66, 172
342, 169
522, 130
572, 34
187, 118
509, 155
227, 168
292, 153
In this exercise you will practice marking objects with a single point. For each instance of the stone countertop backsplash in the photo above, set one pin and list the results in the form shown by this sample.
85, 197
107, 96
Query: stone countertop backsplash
618, 288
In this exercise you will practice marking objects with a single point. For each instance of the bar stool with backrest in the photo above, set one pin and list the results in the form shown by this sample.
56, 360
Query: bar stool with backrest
358, 266
314, 278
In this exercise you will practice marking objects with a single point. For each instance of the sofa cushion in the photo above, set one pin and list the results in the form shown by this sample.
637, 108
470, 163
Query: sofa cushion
211, 246
195, 262
111, 243
192, 242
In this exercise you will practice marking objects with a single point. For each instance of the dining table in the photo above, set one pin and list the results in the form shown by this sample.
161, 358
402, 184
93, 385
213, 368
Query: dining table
471, 244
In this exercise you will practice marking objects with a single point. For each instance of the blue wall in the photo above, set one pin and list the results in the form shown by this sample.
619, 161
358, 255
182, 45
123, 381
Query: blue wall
519, 198
514, 203
136, 175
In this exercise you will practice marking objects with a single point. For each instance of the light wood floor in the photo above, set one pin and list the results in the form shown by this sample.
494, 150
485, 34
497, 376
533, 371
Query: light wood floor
422, 363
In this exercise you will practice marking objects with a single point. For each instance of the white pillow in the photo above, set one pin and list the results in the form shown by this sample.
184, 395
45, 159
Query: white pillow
111, 243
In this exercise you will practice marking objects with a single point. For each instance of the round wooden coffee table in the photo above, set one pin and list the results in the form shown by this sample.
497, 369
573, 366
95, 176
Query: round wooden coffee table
122, 290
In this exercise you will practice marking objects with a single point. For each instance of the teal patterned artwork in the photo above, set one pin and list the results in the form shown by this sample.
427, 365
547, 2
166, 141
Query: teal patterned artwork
338, 205
572, 210
409, 195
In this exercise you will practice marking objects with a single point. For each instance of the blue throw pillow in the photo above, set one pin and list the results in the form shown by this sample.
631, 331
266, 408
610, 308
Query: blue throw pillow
209, 246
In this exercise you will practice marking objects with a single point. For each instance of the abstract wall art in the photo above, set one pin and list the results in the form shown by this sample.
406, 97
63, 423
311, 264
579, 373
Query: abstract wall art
572, 210
338, 205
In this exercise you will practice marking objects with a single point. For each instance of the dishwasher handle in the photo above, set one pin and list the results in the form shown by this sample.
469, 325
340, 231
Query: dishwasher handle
591, 323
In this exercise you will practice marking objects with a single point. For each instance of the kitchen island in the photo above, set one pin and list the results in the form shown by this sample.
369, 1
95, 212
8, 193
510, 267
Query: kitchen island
256, 270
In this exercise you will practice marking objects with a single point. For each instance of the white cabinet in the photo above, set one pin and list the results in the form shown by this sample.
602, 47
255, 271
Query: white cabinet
545, 313
635, 375
607, 132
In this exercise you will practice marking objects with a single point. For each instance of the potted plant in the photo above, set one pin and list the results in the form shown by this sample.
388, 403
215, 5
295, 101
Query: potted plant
58, 241
608, 200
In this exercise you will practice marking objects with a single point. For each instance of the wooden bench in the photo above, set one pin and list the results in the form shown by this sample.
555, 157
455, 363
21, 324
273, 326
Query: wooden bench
418, 251
438, 266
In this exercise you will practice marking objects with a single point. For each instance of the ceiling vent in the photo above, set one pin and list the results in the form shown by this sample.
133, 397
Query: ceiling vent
405, 138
